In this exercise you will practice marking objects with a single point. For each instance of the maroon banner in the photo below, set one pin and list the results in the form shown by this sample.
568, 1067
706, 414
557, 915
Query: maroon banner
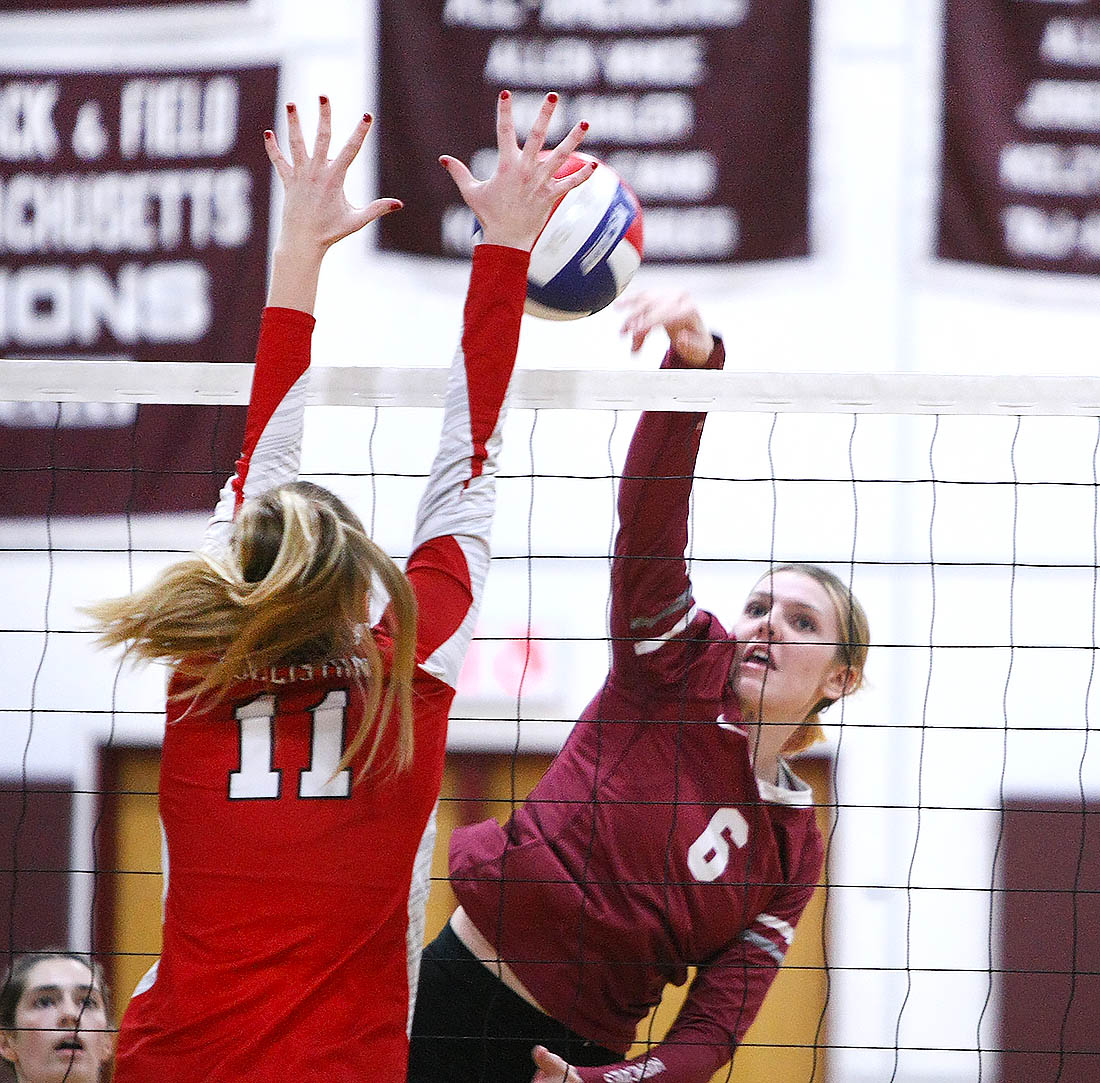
701, 105
133, 225
90, 5
1020, 182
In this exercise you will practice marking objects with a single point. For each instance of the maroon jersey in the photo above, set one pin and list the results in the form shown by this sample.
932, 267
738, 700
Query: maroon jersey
294, 892
649, 846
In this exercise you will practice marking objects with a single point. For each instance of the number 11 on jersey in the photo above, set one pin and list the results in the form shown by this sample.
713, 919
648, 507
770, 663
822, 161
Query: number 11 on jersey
258, 779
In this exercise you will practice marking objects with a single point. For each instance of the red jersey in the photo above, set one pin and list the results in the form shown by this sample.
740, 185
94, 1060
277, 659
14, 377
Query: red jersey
293, 913
650, 846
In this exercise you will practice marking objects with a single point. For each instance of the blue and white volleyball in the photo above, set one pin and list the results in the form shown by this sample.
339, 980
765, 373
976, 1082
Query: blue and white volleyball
589, 249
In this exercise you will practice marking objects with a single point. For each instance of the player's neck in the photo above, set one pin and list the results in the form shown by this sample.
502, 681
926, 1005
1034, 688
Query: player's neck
765, 744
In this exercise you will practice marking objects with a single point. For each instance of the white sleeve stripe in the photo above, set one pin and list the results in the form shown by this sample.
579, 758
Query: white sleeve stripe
419, 886
785, 929
455, 501
445, 662
273, 461
764, 944
648, 622
648, 646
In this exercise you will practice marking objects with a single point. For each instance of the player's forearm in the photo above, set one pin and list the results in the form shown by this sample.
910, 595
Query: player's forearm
276, 414
684, 1061
460, 496
295, 272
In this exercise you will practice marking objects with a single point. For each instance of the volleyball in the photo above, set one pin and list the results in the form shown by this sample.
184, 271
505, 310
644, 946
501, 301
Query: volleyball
589, 249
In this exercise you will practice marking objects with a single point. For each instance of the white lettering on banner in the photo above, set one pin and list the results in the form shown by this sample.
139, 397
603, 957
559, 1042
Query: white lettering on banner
668, 175
178, 117
1061, 104
655, 62
1069, 40
658, 117
1031, 232
487, 14
642, 14
73, 415
27, 130
691, 232
134, 212
56, 306
1048, 169
575, 62
564, 62
89, 135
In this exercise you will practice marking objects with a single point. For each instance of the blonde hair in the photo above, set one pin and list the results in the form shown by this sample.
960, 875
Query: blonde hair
853, 642
295, 588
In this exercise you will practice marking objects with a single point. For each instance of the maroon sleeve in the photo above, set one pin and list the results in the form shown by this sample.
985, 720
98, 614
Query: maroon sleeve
655, 627
726, 993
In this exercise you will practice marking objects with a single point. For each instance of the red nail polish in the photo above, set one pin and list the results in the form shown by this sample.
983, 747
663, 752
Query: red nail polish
269, 134
324, 99
504, 95
367, 118
584, 125
290, 107
552, 97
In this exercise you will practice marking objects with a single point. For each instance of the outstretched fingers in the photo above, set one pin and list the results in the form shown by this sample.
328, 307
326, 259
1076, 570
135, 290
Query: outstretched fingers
536, 138
573, 138
506, 126
354, 143
298, 153
561, 185
324, 130
378, 207
463, 178
276, 156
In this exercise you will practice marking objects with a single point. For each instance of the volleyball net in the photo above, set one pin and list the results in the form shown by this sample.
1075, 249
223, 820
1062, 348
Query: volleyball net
959, 937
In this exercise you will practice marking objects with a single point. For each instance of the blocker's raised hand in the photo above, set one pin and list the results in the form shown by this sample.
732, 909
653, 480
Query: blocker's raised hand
515, 202
316, 212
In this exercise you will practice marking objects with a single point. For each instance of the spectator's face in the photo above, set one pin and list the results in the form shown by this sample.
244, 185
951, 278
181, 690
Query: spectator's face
61, 1028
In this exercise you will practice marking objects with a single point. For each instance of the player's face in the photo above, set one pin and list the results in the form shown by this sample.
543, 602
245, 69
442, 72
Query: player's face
57, 1035
786, 659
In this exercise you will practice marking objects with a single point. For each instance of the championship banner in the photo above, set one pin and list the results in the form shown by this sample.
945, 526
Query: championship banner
133, 225
101, 5
1020, 182
702, 106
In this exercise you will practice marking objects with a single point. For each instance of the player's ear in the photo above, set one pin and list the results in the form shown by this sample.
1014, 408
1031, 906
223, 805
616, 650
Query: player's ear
7, 1046
840, 681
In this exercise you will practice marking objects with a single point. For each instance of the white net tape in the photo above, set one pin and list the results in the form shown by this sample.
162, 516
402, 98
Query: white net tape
962, 509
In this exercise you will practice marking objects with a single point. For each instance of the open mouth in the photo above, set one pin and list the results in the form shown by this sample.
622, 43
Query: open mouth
759, 656
70, 1044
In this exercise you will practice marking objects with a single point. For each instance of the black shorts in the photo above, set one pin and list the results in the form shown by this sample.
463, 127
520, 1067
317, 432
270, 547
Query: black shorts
469, 1027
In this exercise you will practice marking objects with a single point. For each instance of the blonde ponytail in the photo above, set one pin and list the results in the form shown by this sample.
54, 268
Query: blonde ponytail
295, 588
